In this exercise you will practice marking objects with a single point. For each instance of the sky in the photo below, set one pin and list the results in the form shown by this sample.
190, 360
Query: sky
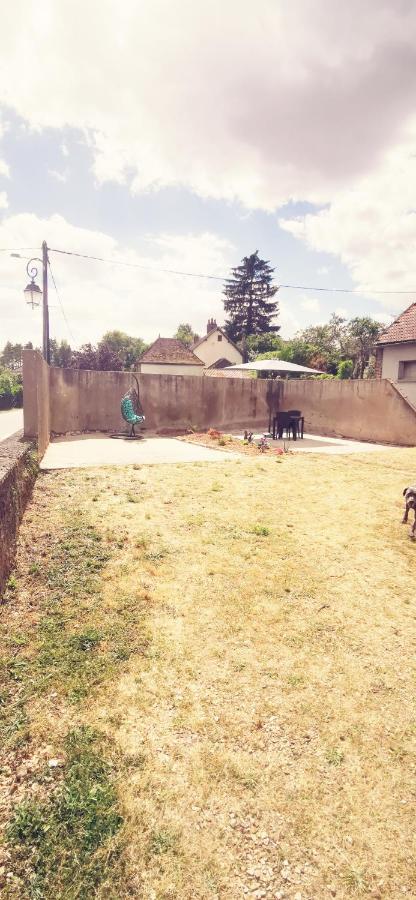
186, 134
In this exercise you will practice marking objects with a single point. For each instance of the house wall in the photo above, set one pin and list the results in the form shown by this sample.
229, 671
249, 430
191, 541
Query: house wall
171, 369
212, 349
393, 354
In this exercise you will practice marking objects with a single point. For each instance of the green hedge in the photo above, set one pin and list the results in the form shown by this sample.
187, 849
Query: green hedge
11, 390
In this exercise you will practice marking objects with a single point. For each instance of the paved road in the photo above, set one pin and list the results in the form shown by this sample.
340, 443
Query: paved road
10, 421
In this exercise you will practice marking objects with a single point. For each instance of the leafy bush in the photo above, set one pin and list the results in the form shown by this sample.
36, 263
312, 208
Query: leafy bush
345, 368
11, 390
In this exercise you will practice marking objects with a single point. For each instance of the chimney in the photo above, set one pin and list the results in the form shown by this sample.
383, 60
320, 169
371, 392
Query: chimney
211, 326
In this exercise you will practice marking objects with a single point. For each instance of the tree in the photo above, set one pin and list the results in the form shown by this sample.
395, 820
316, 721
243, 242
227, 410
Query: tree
11, 390
337, 347
364, 332
264, 344
249, 299
345, 368
107, 360
127, 348
186, 334
11, 356
102, 358
61, 354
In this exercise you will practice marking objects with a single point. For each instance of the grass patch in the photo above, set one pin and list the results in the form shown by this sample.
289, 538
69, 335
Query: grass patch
162, 842
260, 530
270, 718
64, 846
335, 757
79, 641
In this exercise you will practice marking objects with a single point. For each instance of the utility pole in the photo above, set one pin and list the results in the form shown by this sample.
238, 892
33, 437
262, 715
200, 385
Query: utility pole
46, 346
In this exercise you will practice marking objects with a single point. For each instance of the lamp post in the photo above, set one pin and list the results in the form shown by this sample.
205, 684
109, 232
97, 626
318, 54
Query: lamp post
33, 295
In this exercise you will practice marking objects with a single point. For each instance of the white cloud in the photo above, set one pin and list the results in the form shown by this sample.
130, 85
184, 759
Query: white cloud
98, 296
59, 176
3, 200
4, 169
288, 320
261, 102
372, 227
322, 270
310, 303
385, 318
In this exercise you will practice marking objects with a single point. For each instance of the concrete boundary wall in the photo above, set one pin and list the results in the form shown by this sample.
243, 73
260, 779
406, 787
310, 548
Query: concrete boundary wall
90, 401
59, 401
367, 410
36, 399
18, 471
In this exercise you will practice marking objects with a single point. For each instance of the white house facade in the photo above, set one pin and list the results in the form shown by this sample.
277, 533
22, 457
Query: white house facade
215, 349
396, 353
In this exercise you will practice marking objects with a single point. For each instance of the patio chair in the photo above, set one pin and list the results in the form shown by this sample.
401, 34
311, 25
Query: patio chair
284, 422
297, 416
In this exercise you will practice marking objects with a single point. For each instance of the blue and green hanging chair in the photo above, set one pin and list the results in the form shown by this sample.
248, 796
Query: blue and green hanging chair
131, 409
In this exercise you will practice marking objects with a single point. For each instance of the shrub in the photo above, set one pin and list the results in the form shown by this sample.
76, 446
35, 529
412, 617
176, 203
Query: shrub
11, 391
345, 368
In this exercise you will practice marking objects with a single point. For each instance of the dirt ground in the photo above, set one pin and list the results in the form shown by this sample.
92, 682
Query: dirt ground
238, 639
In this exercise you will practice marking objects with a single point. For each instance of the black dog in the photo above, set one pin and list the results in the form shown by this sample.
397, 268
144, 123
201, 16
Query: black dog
409, 494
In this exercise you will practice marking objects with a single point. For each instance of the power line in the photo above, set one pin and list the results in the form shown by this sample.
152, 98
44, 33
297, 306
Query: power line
60, 301
222, 278
120, 262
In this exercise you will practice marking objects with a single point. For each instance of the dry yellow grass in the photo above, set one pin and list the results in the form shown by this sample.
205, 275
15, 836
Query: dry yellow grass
268, 718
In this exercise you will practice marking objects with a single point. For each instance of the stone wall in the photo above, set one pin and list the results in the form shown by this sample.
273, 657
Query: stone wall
18, 470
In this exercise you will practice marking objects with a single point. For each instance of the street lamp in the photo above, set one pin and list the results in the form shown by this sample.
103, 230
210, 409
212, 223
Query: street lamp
33, 294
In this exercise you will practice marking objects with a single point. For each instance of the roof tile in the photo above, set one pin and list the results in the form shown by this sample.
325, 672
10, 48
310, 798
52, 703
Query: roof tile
402, 329
170, 350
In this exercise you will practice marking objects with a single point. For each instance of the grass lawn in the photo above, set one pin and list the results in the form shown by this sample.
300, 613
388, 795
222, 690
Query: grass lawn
208, 683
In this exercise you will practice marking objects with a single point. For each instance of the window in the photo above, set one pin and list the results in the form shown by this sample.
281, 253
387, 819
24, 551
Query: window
219, 338
407, 370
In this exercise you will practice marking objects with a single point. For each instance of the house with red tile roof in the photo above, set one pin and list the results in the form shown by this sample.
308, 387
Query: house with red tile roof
168, 356
396, 353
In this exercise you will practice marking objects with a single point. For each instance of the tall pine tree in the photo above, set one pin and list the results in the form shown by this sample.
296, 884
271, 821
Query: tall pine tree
249, 299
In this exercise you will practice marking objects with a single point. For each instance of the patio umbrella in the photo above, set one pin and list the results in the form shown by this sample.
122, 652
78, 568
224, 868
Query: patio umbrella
279, 366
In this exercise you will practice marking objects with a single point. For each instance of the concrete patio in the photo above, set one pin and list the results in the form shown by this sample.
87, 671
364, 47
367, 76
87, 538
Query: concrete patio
98, 449
83, 450
314, 443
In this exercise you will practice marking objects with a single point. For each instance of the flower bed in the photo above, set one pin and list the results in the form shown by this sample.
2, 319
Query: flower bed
214, 438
